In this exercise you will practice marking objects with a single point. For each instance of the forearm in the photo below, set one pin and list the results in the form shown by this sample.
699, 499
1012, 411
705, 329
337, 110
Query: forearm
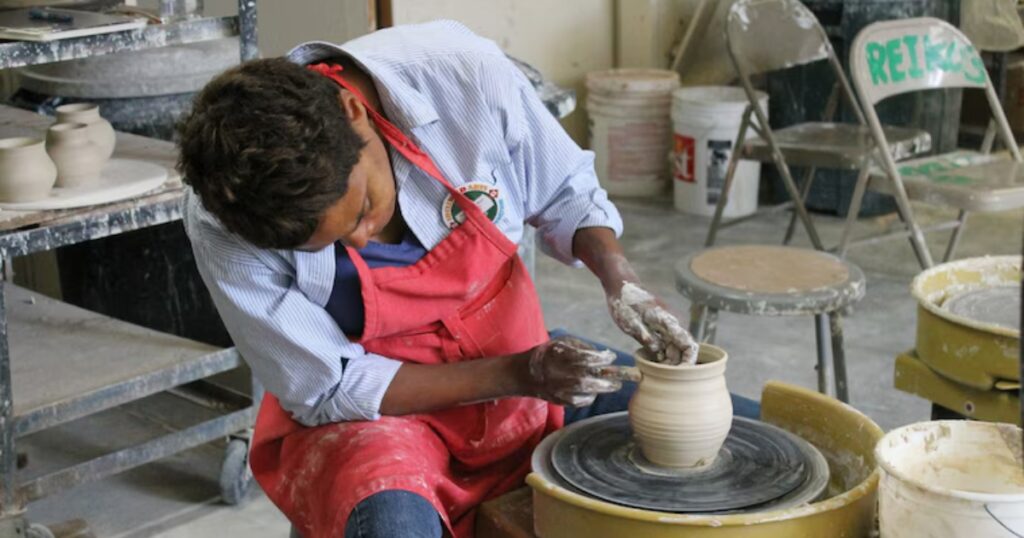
601, 252
635, 310
421, 388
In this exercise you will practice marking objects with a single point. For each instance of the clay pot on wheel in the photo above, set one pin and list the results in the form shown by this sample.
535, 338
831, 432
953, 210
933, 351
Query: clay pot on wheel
78, 157
100, 130
682, 414
26, 172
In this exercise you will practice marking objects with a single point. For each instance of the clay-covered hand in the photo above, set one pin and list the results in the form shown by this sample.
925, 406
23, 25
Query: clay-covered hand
568, 371
639, 314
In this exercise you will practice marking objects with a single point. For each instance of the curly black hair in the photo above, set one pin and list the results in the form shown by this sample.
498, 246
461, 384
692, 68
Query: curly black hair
268, 148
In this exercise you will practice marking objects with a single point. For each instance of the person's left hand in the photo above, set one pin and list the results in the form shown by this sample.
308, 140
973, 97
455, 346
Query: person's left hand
641, 315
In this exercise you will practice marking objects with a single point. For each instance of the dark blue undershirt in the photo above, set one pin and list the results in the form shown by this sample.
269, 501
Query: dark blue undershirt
346, 302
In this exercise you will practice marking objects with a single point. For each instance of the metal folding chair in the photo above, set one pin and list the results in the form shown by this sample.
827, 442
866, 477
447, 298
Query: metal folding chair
898, 57
771, 35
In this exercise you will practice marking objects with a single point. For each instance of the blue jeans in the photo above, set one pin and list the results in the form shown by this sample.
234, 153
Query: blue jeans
396, 513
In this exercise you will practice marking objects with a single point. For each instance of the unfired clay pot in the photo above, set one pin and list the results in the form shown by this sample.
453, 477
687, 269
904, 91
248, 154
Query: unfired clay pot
101, 132
26, 171
682, 414
78, 157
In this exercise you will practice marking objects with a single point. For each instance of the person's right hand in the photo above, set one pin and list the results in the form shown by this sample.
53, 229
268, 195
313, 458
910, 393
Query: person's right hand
568, 371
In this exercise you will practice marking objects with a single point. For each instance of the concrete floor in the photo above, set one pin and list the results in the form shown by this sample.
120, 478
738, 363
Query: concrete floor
761, 349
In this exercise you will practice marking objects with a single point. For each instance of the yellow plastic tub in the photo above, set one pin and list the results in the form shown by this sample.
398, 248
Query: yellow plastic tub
974, 353
844, 436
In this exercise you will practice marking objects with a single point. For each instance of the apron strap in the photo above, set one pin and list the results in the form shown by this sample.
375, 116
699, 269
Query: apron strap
400, 141
393, 134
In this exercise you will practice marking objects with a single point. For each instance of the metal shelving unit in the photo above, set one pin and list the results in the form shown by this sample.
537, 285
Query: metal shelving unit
60, 363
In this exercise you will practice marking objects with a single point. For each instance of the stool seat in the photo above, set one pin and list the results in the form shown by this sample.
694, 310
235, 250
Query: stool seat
766, 280
769, 280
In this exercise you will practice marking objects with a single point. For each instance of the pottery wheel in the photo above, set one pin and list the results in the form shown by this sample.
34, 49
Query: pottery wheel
758, 464
997, 305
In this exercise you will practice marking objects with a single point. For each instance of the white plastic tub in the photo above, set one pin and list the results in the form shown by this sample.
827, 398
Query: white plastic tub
706, 121
951, 479
630, 129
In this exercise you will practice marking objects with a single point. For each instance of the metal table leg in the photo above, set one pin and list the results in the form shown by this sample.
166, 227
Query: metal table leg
12, 523
711, 326
698, 320
247, 29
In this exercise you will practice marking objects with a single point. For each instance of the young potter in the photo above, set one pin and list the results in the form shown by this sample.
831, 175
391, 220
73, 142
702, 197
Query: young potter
355, 212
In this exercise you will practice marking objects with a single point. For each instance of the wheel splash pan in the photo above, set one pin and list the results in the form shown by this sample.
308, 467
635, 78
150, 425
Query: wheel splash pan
971, 352
844, 436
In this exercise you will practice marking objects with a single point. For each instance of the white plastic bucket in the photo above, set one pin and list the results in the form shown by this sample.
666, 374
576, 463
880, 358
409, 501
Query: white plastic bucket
707, 122
951, 479
630, 128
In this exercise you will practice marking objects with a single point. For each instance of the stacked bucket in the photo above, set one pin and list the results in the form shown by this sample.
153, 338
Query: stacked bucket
631, 129
647, 133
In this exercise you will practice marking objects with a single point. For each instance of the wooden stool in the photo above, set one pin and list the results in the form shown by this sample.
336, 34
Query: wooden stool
508, 516
765, 280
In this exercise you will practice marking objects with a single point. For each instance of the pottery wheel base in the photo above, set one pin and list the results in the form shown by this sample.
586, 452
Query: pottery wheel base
759, 467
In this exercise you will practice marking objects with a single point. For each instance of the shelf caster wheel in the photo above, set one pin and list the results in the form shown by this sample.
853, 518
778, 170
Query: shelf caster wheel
36, 530
235, 476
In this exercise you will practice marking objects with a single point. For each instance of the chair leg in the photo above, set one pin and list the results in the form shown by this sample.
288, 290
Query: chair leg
906, 214
805, 189
838, 356
821, 332
919, 244
730, 174
854, 211
954, 239
794, 193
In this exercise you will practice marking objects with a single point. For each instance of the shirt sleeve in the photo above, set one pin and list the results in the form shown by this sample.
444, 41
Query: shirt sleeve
561, 190
293, 345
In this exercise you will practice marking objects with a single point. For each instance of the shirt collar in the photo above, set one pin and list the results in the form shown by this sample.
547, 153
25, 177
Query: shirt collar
403, 104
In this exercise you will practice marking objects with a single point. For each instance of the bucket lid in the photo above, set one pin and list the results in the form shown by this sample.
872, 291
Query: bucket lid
633, 80
714, 95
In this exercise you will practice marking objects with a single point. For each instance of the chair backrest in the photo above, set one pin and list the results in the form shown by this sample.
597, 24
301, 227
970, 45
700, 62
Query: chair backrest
894, 57
769, 35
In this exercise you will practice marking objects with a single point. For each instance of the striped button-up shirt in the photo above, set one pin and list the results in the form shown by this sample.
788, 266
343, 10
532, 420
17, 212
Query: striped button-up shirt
458, 97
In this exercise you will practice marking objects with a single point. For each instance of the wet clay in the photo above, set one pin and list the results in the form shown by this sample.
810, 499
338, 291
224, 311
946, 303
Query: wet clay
638, 313
769, 269
682, 414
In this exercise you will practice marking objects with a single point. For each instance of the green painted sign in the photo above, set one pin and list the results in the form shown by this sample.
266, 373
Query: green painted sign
914, 57
942, 170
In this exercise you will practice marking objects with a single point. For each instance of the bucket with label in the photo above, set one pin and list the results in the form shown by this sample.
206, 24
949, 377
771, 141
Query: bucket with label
951, 478
706, 121
630, 128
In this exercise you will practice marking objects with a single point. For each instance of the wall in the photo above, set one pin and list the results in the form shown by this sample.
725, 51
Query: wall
648, 30
284, 24
564, 40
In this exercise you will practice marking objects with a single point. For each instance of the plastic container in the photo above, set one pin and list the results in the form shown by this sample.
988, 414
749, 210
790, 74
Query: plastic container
952, 479
630, 129
707, 121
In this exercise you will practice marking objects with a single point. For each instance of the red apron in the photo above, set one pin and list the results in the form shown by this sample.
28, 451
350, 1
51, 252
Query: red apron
469, 297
